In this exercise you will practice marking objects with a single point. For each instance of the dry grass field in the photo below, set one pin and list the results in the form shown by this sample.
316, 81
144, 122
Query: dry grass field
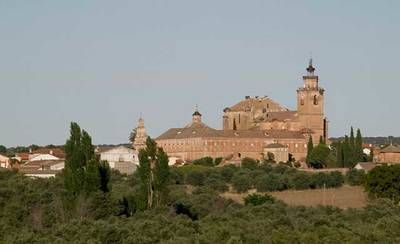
343, 197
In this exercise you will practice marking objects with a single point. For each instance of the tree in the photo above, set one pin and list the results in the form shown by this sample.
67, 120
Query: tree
383, 181
257, 199
358, 146
318, 156
310, 146
81, 163
347, 153
154, 174
105, 175
249, 163
3, 149
321, 140
132, 135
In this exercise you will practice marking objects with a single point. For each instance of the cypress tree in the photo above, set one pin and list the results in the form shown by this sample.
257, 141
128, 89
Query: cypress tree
352, 146
321, 140
347, 153
310, 147
339, 154
358, 146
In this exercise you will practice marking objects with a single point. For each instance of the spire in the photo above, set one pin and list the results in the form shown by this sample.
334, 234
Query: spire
310, 69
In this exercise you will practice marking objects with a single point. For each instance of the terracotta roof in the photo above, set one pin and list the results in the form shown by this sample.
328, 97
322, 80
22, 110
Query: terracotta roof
258, 103
57, 152
391, 149
40, 164
23, 156
197, 130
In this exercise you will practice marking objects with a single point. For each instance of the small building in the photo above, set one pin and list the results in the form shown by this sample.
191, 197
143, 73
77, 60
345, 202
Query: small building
121, 158
279, 151
389, 154
42, 168
366, 166
4, 161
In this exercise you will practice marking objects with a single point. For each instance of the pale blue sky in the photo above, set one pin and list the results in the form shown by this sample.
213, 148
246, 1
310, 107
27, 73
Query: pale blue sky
101, 63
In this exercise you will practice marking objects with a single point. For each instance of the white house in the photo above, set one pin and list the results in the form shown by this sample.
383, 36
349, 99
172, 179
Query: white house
121, 158
4, 161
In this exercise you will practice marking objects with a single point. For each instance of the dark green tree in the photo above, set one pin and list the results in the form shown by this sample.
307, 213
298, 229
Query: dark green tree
358, 146
3, 149
383, 181
310, 146
81, 163
319, 156
105, 176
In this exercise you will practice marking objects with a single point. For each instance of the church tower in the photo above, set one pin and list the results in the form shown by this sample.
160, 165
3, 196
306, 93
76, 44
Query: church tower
310, 106
141, 136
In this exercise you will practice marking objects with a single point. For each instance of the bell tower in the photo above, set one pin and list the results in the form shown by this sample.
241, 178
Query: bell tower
310, 106
141, 135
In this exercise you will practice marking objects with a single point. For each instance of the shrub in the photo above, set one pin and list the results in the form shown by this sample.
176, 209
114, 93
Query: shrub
335, 179
270, 182
258, 199
300, 181
249, 163
206, 161
241, 182
195, 178
355, 177
384, 182
227, 172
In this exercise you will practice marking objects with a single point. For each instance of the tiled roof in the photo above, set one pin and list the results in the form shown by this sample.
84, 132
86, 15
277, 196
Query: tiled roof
391, 149
57, 152
197, 130
39, 164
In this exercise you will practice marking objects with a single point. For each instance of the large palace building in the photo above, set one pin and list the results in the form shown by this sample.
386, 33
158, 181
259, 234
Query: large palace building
255, 127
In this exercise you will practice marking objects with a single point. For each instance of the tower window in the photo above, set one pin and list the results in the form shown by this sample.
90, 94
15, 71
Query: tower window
264, 110
315, 100
302, 100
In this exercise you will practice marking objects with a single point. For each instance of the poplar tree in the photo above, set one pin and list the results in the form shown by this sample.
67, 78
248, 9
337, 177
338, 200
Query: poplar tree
153, 171
82, 173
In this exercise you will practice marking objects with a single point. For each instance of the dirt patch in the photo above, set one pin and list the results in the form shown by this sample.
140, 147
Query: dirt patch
343, 197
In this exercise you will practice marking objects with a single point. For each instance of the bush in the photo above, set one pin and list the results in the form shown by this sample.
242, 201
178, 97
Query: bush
270, 182
384, 181
195, 178
355, 177
206, 161
249, 163
258, 199
241, 182
300, 181
227, 172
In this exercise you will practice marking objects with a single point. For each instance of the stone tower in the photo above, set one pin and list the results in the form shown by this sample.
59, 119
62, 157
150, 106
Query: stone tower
310, 106
196, 116
141, 136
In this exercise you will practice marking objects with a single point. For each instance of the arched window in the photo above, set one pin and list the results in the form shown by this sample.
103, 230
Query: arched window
264, 110
315, 100
301, 100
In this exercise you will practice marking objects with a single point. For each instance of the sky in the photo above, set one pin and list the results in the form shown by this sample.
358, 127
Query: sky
103, 63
